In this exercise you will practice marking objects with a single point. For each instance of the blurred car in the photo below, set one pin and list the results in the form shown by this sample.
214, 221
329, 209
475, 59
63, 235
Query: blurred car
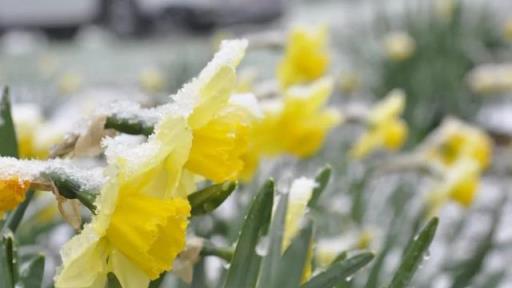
63, 18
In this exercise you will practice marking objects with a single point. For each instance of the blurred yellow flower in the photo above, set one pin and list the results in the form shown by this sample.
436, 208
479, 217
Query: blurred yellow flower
507, 31
399, 46
385, 128
306, 57
141, 219
220, 127
299, 123
12, 193
491, 78
460, 184
454, 140
151, 80
35, 136
69, 82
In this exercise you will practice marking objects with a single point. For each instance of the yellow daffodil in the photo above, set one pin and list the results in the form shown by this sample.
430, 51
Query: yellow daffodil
69, 82
454, 140
460, 184
299, 123
142, 215
12, 193
27, 121
306, 57
399, 46
35, 137
300, 193
491, 79
220, 127
385, 128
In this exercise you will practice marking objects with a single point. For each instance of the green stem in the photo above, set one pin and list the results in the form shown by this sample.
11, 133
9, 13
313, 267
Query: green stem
132, 126
209, 249
72, 189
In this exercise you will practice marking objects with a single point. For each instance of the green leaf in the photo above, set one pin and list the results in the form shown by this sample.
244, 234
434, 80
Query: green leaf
291, 268
471, 267
339, 271
14, 218
414, 255
32, 272
271, 260
208, 199
8, 267
245, 263
322, 179
8, 144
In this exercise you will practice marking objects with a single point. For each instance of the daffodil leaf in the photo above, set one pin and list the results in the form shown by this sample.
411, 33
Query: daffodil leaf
14, 218
244, 267
208, 199
291, 268
414, 255
8, 145
272, 256
8, 267
32, 272
469, 268
321, 179
339, 271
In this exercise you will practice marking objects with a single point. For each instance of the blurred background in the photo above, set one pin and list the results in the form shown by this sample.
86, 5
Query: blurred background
64, 59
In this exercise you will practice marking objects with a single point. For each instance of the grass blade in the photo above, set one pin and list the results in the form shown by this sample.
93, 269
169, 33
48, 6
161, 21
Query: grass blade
271, 260
8, 145
245, 263
8, 267
322, 179
32, 272
292, 264
339, 271
208, 199
414, 255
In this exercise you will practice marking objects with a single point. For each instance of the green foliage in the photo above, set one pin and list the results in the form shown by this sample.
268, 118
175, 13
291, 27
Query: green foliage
245, 264
208, 199
414, 256
8, 145
433, 77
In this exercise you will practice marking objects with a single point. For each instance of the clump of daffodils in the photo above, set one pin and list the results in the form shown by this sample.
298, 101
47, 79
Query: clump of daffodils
385, 128
399, 46
306, 56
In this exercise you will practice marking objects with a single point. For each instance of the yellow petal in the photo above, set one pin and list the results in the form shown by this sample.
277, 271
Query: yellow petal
149, 231
126, 272
388, 108
218, 147
84, 252
204, 96
12, 193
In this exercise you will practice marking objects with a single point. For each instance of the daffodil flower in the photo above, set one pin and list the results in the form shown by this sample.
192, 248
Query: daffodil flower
12, 192
399, 46
220, 126
460, 184
306, 57
297, 124
454, 140
141, 218
385, 128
